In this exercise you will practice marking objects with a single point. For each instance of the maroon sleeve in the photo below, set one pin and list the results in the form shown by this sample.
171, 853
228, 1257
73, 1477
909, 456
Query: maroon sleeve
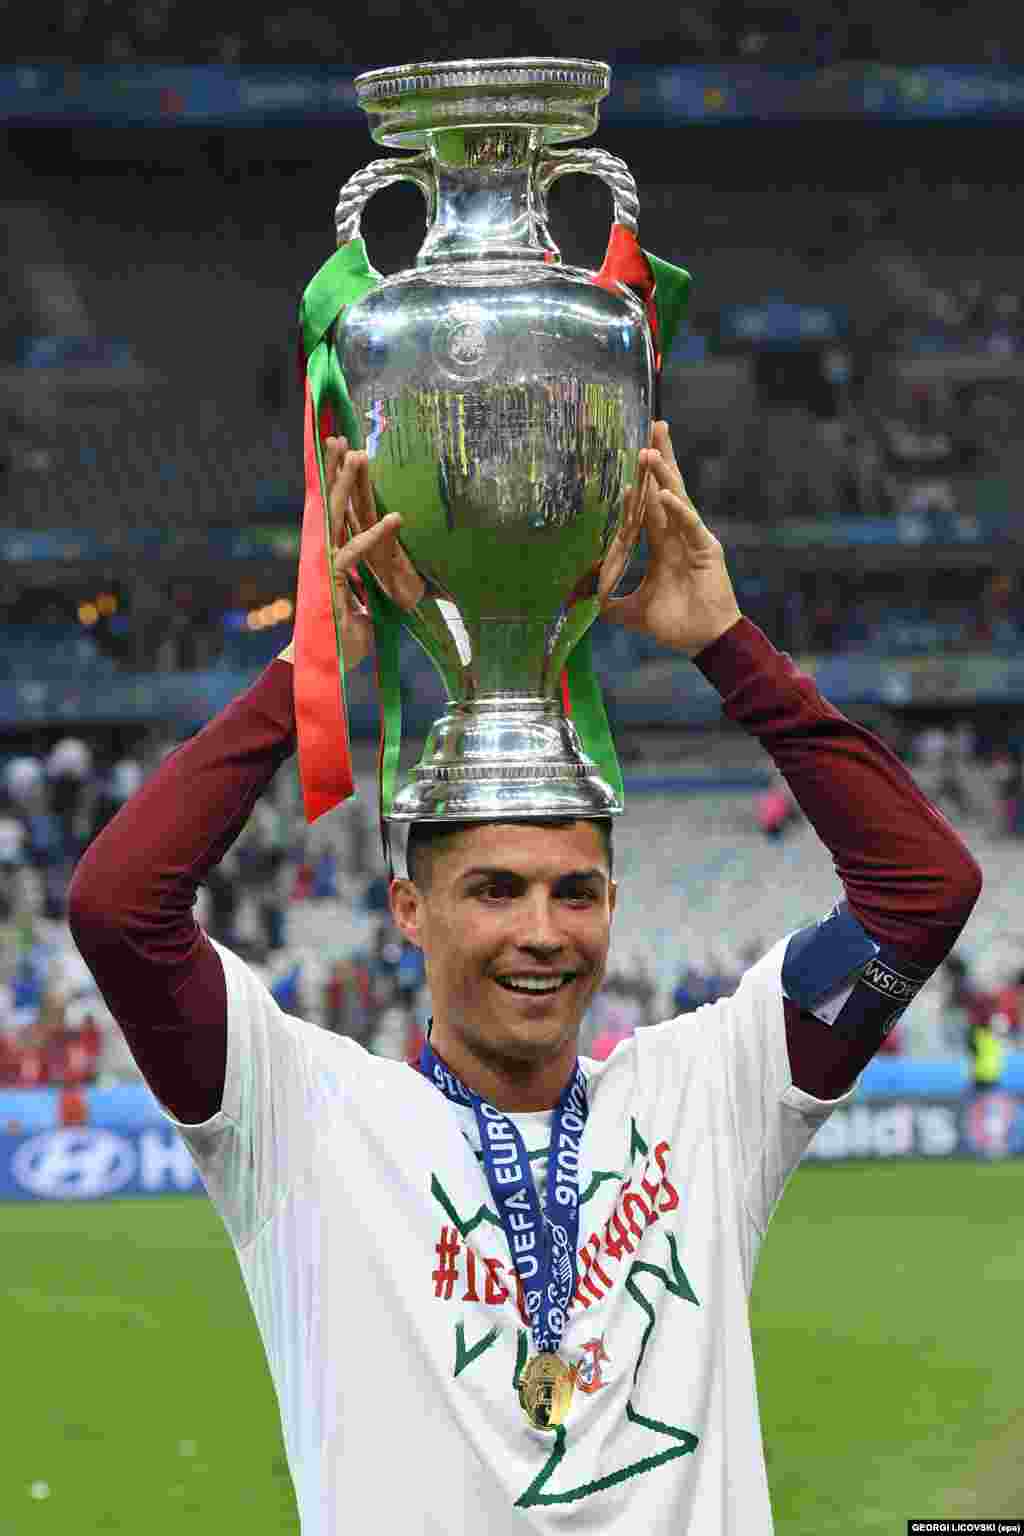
908, 877
130, 903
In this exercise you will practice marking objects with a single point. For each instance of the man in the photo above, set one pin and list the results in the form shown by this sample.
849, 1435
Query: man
967, 1007
387, 1238
988, 1114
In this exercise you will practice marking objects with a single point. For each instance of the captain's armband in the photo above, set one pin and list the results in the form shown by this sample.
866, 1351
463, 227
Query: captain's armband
836, 971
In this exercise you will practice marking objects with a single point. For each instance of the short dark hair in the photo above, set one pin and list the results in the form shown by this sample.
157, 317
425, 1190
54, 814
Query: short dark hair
426, 837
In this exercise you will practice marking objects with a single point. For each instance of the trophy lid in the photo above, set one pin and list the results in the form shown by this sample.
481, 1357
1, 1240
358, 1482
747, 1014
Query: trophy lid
559, 97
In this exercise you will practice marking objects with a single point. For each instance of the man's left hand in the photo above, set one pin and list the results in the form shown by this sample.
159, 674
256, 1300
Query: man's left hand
685, 600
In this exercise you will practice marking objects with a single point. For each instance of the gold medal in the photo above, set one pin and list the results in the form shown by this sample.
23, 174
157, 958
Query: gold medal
545, 1390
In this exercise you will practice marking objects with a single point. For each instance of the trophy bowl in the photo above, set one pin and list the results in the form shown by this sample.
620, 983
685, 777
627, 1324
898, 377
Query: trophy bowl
503, 400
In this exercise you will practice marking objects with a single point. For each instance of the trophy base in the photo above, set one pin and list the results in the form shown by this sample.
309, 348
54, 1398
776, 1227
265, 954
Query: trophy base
504, 758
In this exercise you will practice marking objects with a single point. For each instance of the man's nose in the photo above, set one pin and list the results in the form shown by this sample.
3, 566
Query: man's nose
540, 932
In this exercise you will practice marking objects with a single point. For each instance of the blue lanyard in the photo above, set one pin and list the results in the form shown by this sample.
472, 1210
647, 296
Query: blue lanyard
543, 1246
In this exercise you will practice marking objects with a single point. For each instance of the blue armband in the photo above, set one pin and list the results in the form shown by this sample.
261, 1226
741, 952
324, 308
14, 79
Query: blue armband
838, 972
821, 960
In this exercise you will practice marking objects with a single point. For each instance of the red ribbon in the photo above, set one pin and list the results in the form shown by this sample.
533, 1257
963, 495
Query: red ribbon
325, 758
625, 262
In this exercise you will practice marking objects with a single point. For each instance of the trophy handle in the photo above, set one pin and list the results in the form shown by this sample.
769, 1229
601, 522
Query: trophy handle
591, 162
358, 190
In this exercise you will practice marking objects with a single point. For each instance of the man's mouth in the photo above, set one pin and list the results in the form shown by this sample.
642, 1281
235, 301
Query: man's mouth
536, 985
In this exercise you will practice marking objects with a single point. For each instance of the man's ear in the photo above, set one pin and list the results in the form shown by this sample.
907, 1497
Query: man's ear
613, 891
406, 904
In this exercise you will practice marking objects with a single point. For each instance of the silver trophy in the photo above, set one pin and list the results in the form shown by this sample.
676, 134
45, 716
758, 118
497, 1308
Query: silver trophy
503, 399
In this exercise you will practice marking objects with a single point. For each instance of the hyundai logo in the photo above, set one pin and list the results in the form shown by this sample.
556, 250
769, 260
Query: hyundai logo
74, 1164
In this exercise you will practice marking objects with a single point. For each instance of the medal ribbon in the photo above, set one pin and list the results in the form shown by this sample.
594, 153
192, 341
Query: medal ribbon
543, 1245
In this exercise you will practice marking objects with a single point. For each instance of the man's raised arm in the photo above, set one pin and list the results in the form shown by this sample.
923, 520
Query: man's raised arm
130, 903
910, 882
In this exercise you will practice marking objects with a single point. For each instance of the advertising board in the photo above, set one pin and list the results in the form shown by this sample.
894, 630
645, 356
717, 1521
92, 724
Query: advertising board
84, 1163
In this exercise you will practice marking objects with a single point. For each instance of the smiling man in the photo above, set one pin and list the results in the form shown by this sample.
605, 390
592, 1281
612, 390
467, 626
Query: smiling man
514, 921
506, 1291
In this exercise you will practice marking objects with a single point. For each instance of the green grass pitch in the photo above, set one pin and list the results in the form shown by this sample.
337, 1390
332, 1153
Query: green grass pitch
886, 1322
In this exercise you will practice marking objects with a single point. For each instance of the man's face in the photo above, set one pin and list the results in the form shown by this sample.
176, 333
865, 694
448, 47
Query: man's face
514, 927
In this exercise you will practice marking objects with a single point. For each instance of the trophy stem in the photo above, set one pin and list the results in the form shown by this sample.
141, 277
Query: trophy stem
510, 658
486, 207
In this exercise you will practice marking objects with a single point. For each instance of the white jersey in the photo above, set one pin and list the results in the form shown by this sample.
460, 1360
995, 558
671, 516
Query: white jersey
392, 1316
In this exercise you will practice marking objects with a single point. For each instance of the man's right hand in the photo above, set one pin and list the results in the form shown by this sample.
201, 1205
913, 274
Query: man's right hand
357, 533
685, 600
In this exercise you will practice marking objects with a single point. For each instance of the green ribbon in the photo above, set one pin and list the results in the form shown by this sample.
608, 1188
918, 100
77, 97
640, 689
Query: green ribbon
345, 277
671, 297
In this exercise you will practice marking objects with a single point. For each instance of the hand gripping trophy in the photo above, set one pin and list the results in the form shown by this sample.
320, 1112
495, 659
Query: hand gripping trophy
502, 400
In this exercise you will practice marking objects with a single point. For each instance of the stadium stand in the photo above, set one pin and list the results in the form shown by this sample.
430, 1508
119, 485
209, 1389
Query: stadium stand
173, 31
120, 433
33, 650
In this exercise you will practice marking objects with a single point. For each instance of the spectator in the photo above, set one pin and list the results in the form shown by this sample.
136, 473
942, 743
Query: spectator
1008, 1006
964, 431
12, 855
113, 789
1003, 339
69, 771
690, 992
620, 1008
928, 511
222, 887
915, 439
263, 854
941, 753
985, 1051
699, 985
394, 1036
776, 810
965, 1006
951, 788
1008, 780
347, 1000
24, 780
412, 975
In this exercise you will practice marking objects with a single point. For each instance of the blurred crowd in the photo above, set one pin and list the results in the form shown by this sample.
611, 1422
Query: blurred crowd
977, 782
811, 433
835, 610
912, 456
96, 30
